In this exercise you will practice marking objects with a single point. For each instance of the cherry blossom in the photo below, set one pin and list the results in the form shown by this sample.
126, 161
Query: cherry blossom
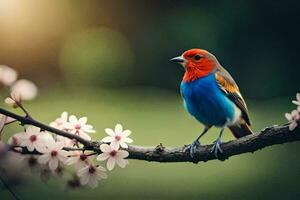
13, 100
113, 156
34, 139
118, 137
293, 118
61, 122
7, 75
80, 127
91, 174
24, 89
16, 139
78, 159
5, 120
53, 155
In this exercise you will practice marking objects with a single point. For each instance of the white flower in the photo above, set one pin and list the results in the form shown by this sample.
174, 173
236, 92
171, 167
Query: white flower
78, 159
5, 120
61, 122
79, 127
90, 175
7, 75
113, 156
66, 141
16, 139
297, 101
24, 89
13, 100
293, 118
53, 155
118, 137
35, 139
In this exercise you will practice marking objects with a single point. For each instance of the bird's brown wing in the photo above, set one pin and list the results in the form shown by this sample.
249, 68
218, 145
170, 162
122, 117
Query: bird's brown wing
230, 88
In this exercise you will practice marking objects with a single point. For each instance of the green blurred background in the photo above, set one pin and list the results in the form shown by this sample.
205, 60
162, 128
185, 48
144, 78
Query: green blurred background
108, 60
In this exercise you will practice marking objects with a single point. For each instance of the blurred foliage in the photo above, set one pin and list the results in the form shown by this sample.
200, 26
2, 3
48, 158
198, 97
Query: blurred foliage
89, 42
99, 56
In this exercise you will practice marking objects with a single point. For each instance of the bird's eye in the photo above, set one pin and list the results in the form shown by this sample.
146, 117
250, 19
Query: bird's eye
197, 57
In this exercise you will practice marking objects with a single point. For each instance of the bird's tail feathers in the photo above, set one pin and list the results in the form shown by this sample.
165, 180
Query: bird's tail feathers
240, 130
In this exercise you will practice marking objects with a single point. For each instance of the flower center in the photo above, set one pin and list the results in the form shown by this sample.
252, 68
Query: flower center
32, 138
15, 141
53, 153
118, 137
83, 157
92, 170
77, 126
113, 153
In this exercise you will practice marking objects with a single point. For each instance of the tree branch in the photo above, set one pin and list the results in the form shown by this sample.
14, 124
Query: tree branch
251, 143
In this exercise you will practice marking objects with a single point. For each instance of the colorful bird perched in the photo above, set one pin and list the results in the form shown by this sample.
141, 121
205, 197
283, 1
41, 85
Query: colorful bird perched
211, 96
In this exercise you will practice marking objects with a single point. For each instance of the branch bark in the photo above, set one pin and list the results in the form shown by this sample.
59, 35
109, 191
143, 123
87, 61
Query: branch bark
269, 136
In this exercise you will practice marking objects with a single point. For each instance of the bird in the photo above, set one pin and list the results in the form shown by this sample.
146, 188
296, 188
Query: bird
212, 97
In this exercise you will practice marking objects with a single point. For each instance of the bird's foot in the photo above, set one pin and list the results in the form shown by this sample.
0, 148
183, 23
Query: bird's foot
216, 149
191, 149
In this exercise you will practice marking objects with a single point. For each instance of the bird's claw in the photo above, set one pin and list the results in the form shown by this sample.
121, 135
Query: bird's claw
216, 149
192, 148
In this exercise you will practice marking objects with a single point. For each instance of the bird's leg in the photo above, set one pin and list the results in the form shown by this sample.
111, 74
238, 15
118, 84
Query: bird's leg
216, 147
192, 147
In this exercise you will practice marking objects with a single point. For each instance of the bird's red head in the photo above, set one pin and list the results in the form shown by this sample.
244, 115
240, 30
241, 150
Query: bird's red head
197, 63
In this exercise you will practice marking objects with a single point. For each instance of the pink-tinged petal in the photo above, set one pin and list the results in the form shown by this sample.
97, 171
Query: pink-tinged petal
123, 154
101, 175
43, 159
295, 113
87, 126
110, 163
115, 145
84, 179
9, 120
72, 160
298, 97
110, 132
9, 101
292, 126
64, 116
33, 130
108, 139
118, 129
103, 156
61, 157
127, 140
85, 136
105, 148
68, 125
126, 133
73, 119
121, 162
93, 182
298, 108
30, 147
53, 164
288, 116
88, 130
83, 120
2, 122
123, 145
296, 102
83, 171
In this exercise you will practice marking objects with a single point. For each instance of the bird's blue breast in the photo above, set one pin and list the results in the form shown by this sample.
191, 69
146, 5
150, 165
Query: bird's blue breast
204, 100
